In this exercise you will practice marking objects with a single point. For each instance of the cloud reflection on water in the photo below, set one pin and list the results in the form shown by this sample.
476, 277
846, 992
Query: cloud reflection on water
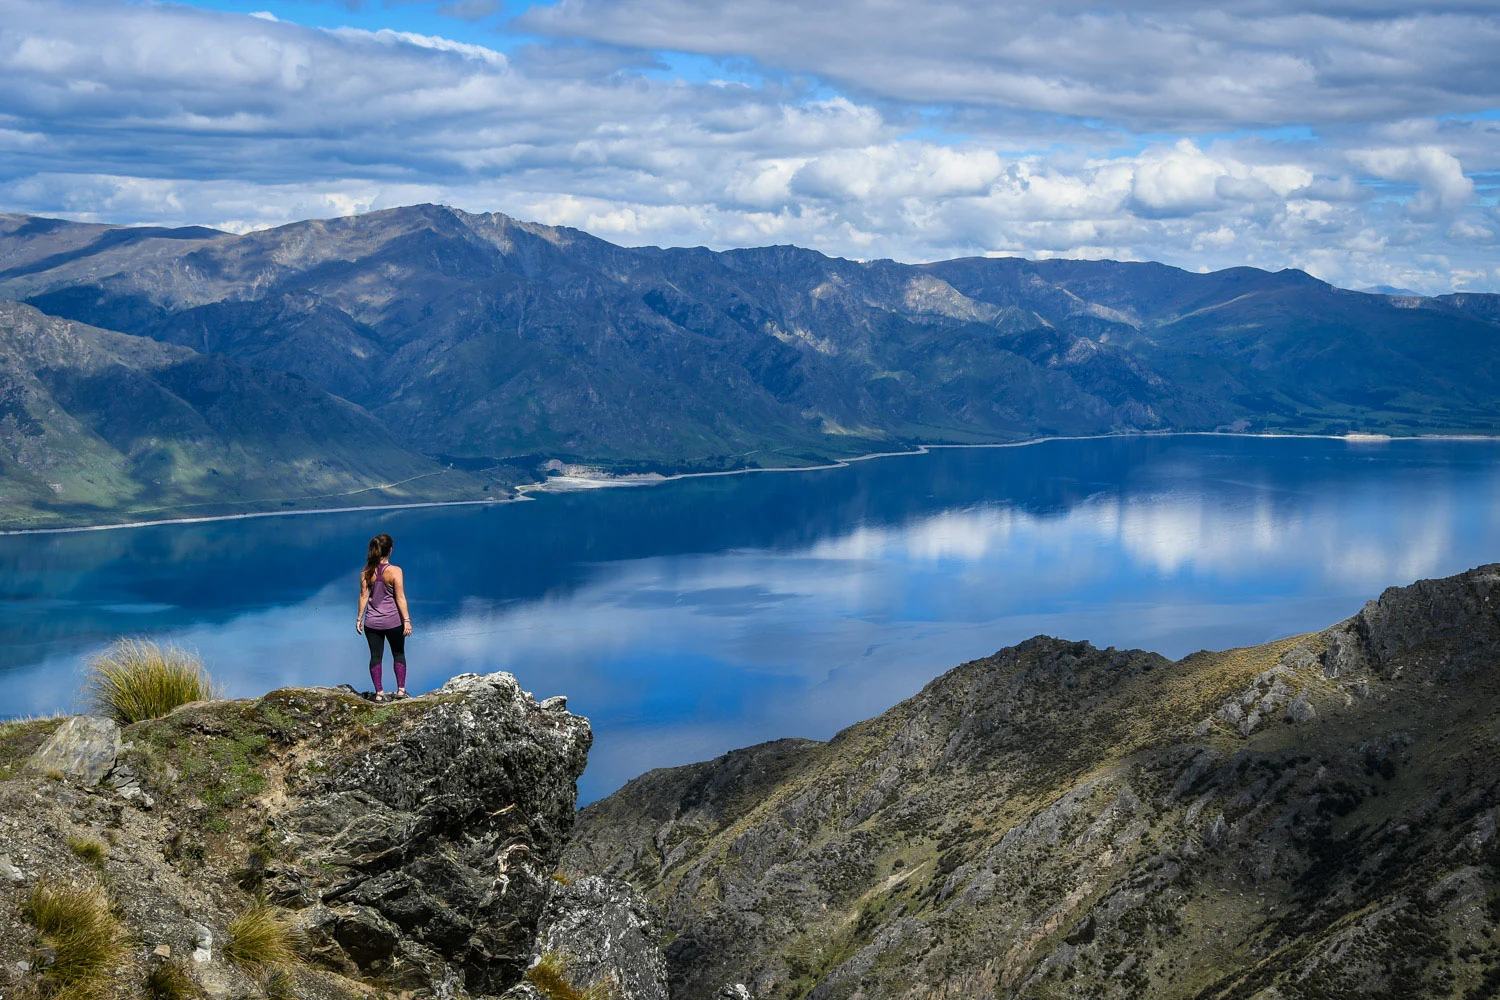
681, 656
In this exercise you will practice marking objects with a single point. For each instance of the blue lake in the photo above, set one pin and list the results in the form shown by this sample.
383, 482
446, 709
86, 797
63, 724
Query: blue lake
698, 615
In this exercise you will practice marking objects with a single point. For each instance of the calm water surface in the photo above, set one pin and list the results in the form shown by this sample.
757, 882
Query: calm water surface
700, 615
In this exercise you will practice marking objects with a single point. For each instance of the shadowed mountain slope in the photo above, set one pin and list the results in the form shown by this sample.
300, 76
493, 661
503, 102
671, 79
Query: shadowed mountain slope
481, 337
96, 425
1311, 818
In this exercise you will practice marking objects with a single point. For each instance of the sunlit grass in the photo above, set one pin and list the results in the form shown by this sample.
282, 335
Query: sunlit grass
88, 850
261, 939
138, 679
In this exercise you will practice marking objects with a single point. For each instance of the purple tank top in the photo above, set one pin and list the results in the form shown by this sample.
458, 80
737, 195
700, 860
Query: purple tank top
381, 611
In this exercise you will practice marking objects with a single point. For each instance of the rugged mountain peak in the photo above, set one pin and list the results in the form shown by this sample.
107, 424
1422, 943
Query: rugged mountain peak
1314, 817
411, 843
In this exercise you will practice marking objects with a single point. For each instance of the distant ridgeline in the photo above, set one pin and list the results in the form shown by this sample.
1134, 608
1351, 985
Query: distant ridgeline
424, 353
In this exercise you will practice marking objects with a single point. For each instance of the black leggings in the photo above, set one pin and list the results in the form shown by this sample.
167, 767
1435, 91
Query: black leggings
376, 637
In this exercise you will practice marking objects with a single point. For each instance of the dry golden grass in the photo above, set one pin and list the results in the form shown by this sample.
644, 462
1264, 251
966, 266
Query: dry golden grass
261, 939
88, 850
85, 938
137, 679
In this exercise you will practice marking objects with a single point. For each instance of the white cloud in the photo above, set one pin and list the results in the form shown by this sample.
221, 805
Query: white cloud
1441, 184
1157, 63
163, 113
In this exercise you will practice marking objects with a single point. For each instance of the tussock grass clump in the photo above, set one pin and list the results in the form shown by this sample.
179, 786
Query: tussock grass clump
138, 679
85, 937
88, 850
171, 981
261, 939
550, 976
279, 984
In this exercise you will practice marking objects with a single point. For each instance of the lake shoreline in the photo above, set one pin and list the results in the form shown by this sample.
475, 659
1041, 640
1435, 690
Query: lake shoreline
615, 482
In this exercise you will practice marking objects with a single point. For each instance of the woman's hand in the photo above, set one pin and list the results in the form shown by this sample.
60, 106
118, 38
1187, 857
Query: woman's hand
406, 627
359, 625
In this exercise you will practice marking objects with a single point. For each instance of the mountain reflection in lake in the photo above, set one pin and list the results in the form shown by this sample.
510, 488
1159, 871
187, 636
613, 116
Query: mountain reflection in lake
700, 615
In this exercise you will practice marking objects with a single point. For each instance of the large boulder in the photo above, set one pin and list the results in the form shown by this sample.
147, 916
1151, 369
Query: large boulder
84, 747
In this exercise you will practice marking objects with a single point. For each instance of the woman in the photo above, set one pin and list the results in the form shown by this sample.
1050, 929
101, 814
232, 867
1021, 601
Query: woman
383, 614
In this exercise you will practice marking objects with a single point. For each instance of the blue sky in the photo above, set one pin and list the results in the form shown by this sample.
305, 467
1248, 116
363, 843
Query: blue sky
1357, 140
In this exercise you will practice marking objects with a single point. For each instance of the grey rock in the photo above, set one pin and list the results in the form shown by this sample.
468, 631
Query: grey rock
366, 937
1300, 710
10, 872
734, 991
203, 944
605, 932
84, 747
417, 826
556, 703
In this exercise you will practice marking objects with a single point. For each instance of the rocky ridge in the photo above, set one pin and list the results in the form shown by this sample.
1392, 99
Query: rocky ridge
409, 846
1311, 818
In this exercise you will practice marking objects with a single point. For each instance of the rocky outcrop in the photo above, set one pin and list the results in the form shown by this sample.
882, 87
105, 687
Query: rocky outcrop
1311, 818
83, 748
409, 846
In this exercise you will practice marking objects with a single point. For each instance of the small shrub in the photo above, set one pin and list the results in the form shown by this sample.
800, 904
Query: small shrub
88, 850
171, 981
562, 878
550, 976
87, 941
137, 679
261, 939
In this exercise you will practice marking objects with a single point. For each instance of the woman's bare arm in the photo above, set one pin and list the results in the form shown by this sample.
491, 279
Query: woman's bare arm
398, 584
364, 598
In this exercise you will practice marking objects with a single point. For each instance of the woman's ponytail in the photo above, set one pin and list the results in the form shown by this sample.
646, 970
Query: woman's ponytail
380, 547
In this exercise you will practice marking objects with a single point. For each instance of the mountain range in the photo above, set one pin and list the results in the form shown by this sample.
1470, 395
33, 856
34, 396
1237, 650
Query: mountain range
469, 349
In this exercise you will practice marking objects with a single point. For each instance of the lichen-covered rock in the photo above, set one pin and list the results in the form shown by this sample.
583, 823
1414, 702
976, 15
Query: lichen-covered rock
409, 845
84, 747
604, 932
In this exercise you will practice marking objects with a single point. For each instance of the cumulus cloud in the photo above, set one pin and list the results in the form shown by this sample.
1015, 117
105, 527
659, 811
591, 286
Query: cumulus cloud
167, 113
1162, 63
1441, 184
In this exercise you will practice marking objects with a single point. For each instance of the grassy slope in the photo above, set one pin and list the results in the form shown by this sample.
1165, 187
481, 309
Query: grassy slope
98, 426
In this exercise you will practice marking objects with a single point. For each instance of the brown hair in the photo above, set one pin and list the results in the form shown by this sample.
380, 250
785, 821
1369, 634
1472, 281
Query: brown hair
380, 547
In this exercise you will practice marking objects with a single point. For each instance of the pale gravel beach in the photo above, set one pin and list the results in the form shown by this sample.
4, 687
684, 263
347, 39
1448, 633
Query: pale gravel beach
576, 484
